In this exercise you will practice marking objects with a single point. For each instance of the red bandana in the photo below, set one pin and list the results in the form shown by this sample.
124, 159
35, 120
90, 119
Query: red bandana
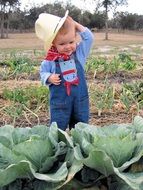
53, 55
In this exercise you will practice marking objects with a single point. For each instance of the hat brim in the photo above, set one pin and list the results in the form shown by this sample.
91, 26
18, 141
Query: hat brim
48, 43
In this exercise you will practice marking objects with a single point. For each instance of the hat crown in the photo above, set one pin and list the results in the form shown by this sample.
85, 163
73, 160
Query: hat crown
47, 26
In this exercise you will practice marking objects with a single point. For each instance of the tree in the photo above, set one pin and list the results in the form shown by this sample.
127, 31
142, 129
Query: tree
125, 20
108, 5
6, 7
98, 20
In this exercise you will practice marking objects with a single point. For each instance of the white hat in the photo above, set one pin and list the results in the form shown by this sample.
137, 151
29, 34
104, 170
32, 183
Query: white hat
47, 26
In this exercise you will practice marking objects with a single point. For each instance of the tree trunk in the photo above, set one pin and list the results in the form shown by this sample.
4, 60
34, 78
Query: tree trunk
106, 25
7, 25
2, 25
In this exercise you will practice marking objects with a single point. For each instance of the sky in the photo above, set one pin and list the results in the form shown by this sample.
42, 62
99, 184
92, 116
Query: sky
134, 6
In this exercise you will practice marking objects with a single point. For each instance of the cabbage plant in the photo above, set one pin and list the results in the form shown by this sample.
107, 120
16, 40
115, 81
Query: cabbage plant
37, 158
47, 158
113, 155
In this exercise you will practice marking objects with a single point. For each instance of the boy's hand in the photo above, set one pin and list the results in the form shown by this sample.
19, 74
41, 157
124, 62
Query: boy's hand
79, 27
54, 79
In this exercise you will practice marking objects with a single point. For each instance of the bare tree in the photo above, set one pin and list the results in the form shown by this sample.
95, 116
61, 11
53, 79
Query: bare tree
6, 7
108, 5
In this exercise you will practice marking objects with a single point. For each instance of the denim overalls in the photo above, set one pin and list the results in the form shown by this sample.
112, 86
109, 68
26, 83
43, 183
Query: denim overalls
66, 110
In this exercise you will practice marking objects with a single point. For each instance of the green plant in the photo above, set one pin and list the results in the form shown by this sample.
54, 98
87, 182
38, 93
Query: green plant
132, 94
14, 111
103, 98
16, 95
47, 158
95, 64
127, 98
17, 64
113, 66
136, 88
31, 96
114, 152
36, 158
38, 96
126, 62
26, 101
5, 72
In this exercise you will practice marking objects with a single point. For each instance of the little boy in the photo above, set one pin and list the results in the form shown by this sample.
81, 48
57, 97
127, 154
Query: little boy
63, 69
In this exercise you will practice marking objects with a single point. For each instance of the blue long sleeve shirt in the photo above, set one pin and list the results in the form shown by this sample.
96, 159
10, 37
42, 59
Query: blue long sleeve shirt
81, 53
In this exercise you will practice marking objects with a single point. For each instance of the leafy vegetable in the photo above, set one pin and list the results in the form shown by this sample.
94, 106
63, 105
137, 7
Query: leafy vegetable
112, 151
40, 154
47, 158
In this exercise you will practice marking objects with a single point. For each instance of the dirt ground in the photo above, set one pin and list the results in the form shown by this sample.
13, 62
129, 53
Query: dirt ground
29, 41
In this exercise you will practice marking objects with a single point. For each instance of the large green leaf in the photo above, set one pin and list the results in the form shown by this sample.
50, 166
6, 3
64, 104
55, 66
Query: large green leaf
60, 151
83, 135
24, 168
56, 176
7, 157
6, 135
138, 154
138, 124
119, 150
21, 134
116, 130
14, 171
53, 134
40, 130
36, 151
64, 137
100, 161
97, 160
133, 180
75, 167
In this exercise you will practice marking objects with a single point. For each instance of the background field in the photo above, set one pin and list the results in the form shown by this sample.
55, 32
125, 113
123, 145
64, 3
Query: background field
30, 41
28, 45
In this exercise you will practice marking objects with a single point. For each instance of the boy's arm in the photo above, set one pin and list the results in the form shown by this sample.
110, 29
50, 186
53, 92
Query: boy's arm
79, 27
48, 75
44, 72
84, 46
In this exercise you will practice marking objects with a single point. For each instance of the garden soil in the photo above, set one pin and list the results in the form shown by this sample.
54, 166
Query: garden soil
118, 114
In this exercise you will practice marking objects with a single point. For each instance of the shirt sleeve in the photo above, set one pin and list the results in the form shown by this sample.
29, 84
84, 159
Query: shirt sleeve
46, 69
83, 48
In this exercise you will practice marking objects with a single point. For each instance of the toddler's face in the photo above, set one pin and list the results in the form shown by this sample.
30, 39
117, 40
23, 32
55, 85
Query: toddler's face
66, 43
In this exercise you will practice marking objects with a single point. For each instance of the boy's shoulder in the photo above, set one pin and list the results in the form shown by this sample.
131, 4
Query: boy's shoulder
47, 63
86, 33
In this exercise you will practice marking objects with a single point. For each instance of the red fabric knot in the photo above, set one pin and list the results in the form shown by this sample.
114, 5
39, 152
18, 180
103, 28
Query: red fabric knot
68, 85
53, 55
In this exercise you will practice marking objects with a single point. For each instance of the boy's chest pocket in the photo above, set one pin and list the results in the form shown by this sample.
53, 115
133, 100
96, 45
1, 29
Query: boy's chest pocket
68, 69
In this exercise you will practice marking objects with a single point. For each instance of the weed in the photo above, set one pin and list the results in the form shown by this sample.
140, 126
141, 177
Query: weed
30, 99
103, 98
126, 62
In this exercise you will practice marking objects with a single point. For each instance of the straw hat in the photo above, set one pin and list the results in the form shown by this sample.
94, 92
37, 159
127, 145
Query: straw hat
47, 26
